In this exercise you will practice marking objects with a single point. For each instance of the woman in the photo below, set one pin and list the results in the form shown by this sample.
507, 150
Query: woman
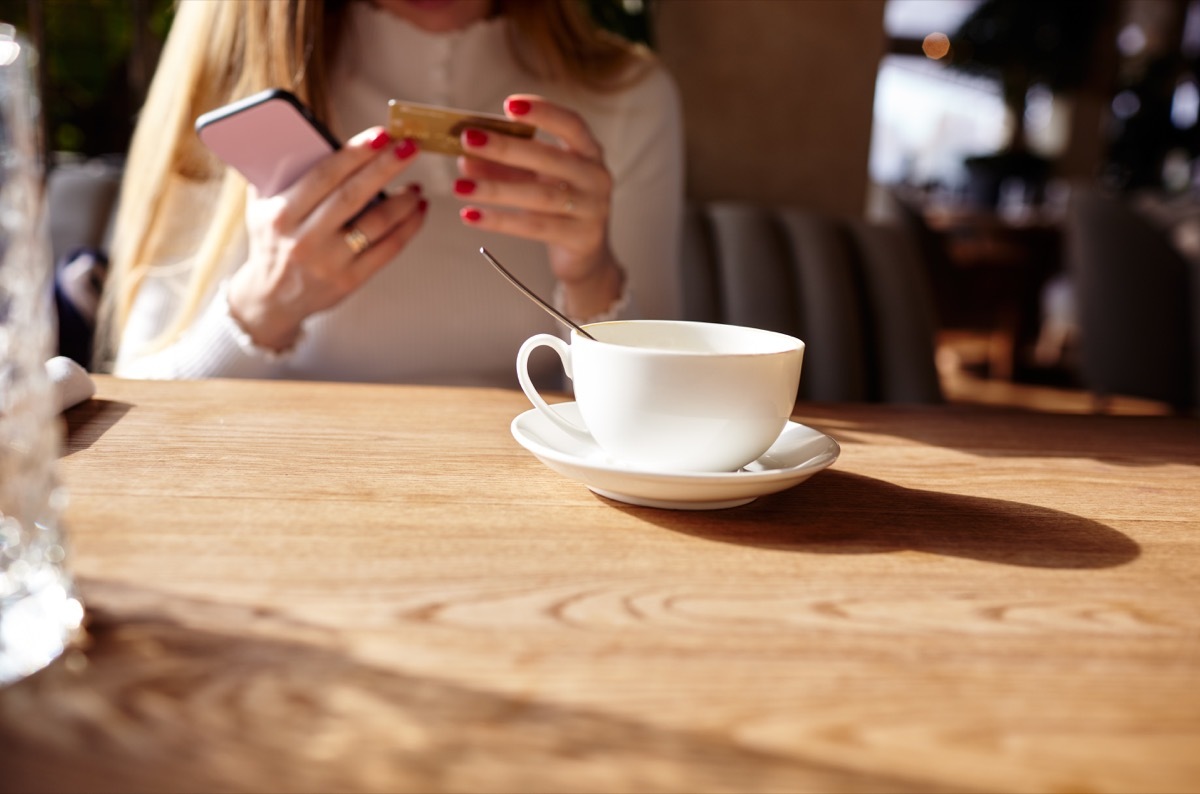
209, 279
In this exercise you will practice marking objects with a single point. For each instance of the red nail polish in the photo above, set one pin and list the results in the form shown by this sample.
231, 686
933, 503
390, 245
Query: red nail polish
464, 187
476, 137
414, 187
518, 107
422, 206
406, 149
380, 140
470, 214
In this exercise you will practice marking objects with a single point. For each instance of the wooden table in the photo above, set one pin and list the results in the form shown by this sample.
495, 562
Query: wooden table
310, 587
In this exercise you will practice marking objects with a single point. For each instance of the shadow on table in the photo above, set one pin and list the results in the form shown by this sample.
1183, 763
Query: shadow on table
1134, 441
167, 701
825, 516
89, 420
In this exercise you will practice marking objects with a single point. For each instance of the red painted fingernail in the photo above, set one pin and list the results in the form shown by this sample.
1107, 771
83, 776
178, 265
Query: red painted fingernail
476, 137
518, 107
414, 187
464, 187
406, 149
380, 140
422, 205
470, 214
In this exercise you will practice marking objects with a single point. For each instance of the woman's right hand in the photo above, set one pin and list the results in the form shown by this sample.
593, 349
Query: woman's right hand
304, 256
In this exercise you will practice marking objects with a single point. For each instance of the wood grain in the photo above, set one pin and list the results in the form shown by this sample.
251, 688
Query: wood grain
315, 587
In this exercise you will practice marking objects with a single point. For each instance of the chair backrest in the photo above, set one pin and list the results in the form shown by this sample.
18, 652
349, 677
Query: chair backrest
900, 314
854, 292
81, 200
1137, 299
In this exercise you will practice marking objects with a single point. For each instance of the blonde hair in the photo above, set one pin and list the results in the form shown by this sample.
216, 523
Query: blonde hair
557, 40
215, 54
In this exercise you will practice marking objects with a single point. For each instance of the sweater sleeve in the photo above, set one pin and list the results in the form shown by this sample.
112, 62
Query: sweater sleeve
646, 160
212, 346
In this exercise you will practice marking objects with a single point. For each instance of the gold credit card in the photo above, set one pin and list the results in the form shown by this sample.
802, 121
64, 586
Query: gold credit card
437, 129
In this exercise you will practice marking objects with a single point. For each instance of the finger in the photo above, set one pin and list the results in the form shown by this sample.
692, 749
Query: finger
376, 222
303, 196
553, 229
564, 124
347, 199
555, 198
533, 155
390, 244
474, 168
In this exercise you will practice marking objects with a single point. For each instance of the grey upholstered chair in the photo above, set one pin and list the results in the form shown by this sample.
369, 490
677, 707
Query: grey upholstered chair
856, 293
1138, 301
82, 201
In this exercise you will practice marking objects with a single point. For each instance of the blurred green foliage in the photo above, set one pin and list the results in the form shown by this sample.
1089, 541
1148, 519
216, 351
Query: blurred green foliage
628, 18
90, 57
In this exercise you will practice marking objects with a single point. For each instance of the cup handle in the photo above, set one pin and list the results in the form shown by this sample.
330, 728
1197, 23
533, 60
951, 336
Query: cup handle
564, 353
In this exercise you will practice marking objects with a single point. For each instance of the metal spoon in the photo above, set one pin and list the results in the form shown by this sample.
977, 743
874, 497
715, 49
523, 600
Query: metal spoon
555, 313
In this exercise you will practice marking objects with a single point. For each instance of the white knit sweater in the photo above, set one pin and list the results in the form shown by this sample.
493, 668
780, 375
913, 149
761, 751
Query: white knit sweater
438, 313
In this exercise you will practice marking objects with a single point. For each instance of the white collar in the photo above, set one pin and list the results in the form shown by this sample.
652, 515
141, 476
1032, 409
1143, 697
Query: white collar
381, 49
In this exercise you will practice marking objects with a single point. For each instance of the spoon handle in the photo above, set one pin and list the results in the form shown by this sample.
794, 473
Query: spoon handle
555, 313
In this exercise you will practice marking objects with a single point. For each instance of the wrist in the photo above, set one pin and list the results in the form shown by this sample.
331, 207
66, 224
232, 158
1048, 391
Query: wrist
265, 328
593, 294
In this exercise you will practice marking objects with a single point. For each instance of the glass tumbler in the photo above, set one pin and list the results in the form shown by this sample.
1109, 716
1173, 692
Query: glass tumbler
39, 611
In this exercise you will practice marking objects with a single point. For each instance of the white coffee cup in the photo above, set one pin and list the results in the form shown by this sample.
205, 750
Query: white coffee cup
668, 395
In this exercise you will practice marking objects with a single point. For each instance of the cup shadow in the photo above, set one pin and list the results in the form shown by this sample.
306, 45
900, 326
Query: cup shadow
825, 515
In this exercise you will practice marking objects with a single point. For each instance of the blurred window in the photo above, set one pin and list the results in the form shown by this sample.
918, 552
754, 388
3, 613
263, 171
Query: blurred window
927, 119
914, 19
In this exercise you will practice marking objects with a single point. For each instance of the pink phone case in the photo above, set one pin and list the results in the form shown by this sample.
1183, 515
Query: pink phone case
271, 138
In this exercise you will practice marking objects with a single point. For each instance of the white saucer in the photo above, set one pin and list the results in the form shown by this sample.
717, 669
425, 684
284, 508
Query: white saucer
796, 455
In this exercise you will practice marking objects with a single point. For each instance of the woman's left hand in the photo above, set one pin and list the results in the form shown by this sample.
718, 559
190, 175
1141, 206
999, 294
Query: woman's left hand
556, 192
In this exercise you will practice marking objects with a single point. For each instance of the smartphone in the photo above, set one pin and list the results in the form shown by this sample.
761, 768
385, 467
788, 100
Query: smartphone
272, 138
438, 129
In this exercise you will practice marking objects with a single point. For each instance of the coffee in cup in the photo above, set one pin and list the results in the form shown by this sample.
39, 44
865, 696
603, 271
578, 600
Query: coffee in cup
666, 395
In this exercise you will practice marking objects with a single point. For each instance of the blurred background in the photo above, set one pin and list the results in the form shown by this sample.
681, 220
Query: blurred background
984, 128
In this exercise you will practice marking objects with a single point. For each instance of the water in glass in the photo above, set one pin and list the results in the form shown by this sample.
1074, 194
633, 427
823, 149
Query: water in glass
39, 611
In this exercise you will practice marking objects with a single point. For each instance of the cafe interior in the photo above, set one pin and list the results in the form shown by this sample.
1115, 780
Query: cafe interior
968, 563
1039, 160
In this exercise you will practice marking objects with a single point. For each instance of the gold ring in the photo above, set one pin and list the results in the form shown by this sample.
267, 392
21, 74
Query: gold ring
356, 241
